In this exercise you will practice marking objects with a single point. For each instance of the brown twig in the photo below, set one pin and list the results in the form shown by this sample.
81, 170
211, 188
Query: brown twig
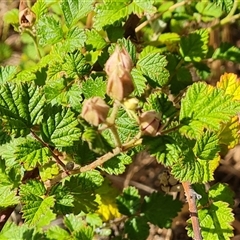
57, 159
191, 199
4, 215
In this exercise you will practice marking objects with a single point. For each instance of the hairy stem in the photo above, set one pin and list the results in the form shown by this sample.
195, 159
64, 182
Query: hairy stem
57, 159
191, 199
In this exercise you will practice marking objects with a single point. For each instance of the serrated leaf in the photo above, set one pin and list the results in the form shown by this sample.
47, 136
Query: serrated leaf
7, 73
59, 127
129, 202
94, 87
161, 104
221, 192
230, 83
229, 133
48, 170
94, 40
206, 147
75, 39
75, 65
21, 107
116, 165
57, 233
39, 8
148, 66
94, 220
226, 5
228, 52
36, 207
215, 222
49, 30
74, 10
139, 82
208, 10
137, 228
82, 188
110, 12
65, 92
8, 197
194, 47
30, 153
160, 209
205, 106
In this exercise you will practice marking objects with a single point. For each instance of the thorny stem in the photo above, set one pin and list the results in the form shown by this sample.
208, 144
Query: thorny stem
173, 7
191, 199
57, 159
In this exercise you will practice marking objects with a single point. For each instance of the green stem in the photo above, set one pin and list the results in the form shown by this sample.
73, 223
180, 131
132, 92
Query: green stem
35, 43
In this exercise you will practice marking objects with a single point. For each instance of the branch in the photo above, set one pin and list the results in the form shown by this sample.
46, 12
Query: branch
191, 199
57, 159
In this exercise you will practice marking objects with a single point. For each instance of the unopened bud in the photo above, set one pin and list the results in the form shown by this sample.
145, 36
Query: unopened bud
26, 16
131, 103
150, 123
118, 68
95, 111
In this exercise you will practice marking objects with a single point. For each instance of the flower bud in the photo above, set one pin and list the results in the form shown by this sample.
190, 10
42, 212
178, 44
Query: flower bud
26, 16
131, 103
118, 68
95, 110
150, 123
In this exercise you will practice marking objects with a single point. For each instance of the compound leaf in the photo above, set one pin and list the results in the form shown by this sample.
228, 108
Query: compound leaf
59, 126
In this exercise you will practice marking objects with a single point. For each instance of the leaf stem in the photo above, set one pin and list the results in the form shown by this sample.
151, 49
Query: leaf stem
191, 199
57, 159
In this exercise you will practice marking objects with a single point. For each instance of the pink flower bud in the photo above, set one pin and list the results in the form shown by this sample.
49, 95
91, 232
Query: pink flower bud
26, 16
150, 123
118, 68
95, 111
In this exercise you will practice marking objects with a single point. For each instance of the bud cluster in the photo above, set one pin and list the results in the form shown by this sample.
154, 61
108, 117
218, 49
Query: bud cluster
118, 68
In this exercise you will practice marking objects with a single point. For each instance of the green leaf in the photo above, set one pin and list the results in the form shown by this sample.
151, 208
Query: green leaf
226, 5
7, 73
129, 202
36, 207
49, 30
82, 187
59, 127
94, 40
110, 12
94, 87
65, 92
208, 10
8, 197
21, 107
30, 153
75, 65
139, 82
194, 47
207, 147
161, 104
148, 66
48, 170
74, 10
160, 209
205, 106
94, 220
116, 165
215, 222
39, 8
11, 17
137, 228
221, 192
228, 52
75, 39
57, 233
